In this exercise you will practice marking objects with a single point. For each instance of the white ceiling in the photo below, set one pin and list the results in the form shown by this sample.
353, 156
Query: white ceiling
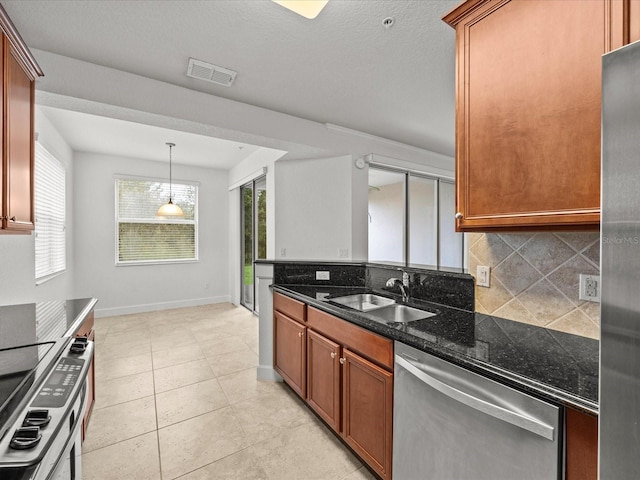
342, 68
92, 133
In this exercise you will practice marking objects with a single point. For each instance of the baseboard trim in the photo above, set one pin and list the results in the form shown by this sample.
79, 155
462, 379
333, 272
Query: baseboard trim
152, 307
268, 374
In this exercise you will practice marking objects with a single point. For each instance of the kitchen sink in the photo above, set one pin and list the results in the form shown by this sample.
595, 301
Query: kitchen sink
364, 302
399, 314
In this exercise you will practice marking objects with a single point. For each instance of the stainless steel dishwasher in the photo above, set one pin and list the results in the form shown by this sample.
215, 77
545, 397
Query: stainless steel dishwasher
452, 424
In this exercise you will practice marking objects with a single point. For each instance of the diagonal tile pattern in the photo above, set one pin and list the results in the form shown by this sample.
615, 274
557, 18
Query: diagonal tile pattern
535, 278
192, 409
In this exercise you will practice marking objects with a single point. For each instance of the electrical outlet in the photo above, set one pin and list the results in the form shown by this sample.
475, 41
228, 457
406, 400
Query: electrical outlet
343, 253
322, 275
283, 252
483, 276
589, 288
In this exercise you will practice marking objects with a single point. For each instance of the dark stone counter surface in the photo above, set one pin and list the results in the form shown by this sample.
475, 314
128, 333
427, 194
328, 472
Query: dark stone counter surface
552, 365
43, 321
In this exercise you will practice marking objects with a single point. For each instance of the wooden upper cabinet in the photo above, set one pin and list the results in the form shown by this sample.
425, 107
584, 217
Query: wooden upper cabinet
19, 71
528, 88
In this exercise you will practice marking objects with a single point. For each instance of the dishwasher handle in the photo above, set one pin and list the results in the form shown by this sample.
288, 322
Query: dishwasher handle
501, 413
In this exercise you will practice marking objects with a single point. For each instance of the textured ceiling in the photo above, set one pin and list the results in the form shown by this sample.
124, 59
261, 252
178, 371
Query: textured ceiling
342, 68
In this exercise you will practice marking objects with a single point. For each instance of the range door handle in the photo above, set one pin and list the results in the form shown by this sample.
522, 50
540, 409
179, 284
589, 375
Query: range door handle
417, 369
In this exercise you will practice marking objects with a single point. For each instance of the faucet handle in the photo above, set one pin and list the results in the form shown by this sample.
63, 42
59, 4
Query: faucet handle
405, 279
392, 281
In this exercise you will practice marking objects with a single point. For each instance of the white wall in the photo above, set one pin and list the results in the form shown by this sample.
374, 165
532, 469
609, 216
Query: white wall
319, 209
17, 252
129, 289
423, 240
386, 223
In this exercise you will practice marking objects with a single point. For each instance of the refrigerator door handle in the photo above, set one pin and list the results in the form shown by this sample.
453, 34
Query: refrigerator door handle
501, 413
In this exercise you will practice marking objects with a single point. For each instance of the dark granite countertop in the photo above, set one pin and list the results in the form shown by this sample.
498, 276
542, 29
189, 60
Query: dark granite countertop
43, 321
549, 364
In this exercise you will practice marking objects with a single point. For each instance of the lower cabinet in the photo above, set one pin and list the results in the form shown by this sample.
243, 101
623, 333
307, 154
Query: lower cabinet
581, 446
345, 373
367, 410
290, 352
323, 378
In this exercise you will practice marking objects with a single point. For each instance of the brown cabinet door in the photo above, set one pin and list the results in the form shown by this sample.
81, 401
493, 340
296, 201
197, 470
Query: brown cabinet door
632, 12
323, 378
528, 111
290, 352
367, 409
18, 145
581, 446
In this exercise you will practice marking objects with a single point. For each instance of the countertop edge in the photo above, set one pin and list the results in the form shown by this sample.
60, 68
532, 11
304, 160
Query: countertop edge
517, 381
81, 317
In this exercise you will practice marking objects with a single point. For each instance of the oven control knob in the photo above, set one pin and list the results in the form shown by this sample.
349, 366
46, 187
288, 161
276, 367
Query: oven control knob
37, 418
79, 345
25, 438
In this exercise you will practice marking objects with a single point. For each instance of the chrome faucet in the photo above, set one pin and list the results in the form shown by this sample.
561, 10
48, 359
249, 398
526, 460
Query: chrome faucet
403, 284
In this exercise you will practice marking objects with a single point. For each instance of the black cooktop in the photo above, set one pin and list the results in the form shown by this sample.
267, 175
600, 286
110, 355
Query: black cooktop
31, 335
19, 370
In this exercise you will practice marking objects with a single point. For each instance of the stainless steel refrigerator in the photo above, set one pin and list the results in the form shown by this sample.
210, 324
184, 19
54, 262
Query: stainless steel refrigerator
619, 437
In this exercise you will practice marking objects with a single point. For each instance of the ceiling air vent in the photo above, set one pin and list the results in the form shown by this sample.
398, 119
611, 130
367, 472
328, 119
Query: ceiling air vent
210, 73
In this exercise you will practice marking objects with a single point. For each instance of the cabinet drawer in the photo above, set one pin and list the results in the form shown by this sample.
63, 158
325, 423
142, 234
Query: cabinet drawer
368, 344
290, 307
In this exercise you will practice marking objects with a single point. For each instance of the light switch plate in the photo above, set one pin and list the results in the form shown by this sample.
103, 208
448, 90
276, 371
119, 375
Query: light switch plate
483, 276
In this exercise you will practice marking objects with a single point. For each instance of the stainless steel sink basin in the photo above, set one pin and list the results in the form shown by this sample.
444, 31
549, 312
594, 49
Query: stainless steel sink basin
364, 302
400, 314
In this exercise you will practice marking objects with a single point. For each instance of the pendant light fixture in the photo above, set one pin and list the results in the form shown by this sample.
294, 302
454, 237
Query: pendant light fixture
169, 209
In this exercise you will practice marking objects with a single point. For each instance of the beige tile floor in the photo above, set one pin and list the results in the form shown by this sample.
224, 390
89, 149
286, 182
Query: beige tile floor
177, 397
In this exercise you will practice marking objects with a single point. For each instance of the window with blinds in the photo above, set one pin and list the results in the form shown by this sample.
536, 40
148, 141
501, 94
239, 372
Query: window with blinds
142, 237
50, 214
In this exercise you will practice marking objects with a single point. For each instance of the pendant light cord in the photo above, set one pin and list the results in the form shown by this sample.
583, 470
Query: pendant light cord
171, 145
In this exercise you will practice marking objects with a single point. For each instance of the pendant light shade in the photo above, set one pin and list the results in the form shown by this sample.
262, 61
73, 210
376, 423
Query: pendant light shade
170, 209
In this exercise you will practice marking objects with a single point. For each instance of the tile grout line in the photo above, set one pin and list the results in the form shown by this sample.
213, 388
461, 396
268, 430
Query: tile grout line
155, 406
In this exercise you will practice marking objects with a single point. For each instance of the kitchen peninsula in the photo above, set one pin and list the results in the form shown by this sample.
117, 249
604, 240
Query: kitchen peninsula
554, 366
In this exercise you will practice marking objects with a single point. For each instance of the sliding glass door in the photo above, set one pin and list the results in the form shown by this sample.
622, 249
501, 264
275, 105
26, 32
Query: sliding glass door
253, 198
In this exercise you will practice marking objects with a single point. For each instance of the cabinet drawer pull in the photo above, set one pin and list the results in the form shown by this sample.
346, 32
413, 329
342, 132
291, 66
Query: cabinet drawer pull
342, 360
459, 215
333, 354
300, 334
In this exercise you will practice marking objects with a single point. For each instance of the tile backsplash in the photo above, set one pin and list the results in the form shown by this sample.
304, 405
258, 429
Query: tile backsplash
535, 277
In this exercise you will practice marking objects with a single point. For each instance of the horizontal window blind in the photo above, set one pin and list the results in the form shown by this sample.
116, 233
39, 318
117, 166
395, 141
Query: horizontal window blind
142, 237
50, 214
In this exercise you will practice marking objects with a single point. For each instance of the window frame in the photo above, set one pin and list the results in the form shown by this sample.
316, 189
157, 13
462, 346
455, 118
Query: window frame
406, 234
195, 222
41, 150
